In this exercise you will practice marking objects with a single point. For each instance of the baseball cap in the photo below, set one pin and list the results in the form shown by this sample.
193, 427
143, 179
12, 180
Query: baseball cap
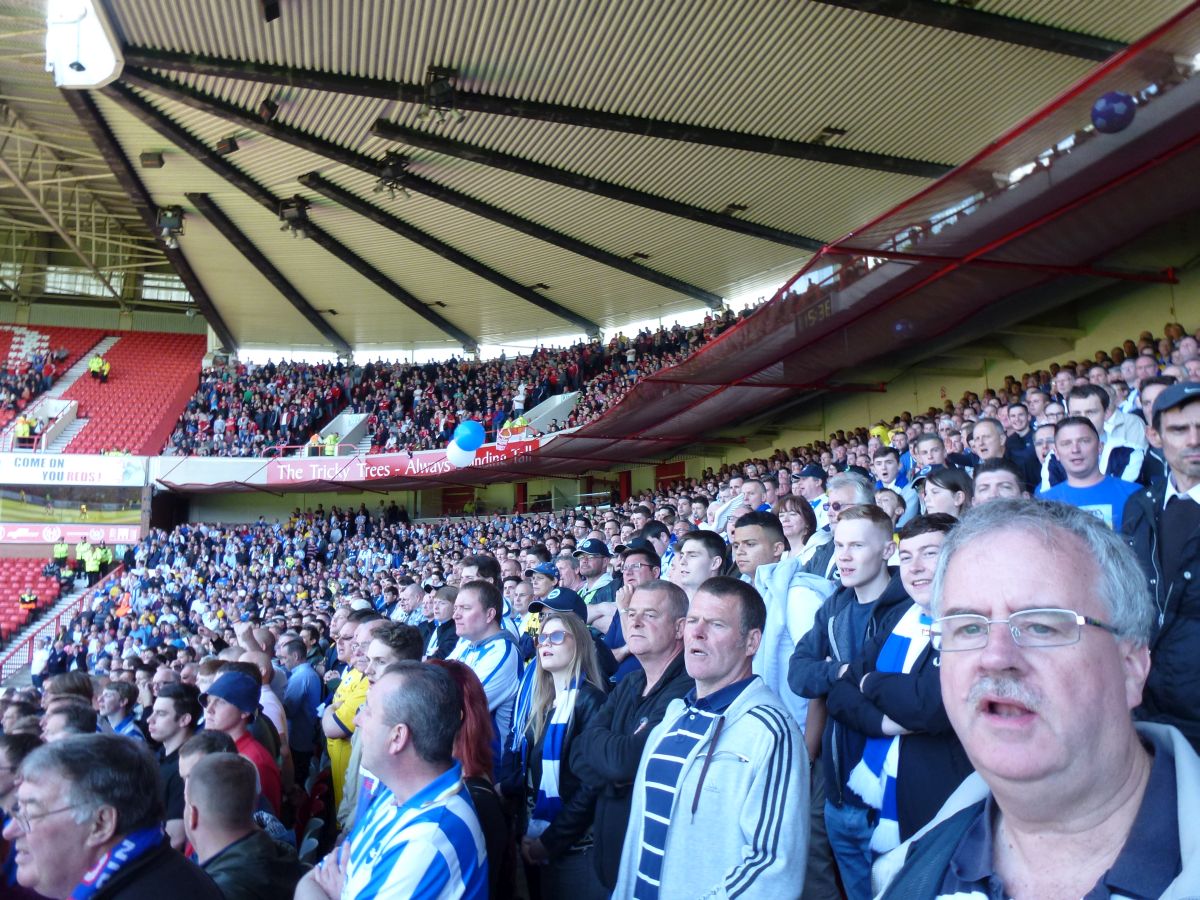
549, 569
812, 470
925, 471
637, 543
1174, 396
562, 600
593, 547
237, 688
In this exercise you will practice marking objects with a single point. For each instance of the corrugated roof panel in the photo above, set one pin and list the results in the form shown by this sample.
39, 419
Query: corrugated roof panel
1115, 21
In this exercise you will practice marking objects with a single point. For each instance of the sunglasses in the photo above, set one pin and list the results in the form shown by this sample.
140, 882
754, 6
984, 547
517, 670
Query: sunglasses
553, 637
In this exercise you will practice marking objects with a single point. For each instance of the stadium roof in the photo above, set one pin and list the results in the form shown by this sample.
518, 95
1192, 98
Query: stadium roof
556, 167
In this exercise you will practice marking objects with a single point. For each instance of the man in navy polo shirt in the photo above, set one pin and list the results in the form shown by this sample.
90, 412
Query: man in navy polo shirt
1040, 673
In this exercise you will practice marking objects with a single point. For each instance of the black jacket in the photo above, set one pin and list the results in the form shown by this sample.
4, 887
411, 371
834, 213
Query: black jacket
255, 868
932, 761
160, 873
574, 820
447, 637
1172, 691
813, 671
606, 756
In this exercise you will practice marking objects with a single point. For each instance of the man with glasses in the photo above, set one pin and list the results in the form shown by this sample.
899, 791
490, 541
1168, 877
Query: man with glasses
88, 823
337, 720
1039, 675
639, 565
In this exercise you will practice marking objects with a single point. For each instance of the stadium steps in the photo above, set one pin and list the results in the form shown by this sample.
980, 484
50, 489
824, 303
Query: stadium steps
80, 368
59, 444
153, 377
364, 444
22, 678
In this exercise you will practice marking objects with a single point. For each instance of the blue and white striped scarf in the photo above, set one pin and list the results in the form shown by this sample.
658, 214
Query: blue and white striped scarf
874, 778
548, 803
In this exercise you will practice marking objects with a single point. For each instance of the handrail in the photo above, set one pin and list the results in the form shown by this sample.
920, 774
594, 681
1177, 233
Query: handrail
19, 655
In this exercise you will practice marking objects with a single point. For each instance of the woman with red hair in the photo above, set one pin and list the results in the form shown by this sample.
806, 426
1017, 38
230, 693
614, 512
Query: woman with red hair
473, 749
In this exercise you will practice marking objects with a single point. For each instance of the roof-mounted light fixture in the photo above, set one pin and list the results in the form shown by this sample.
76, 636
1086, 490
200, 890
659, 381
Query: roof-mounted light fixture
169, 224
392, 173
293, 213
440, 94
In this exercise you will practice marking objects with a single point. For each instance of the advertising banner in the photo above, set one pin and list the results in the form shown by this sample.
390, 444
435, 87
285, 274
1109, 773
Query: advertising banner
21, 533
382, 467
72, 469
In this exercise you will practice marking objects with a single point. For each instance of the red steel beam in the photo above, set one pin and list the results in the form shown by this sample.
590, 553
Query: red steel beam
1166, 277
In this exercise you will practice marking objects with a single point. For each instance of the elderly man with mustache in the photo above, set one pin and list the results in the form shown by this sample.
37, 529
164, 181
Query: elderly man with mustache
1043, 621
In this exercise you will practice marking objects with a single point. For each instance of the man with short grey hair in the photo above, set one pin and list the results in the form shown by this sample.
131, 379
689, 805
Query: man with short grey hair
1039, 675
88, 823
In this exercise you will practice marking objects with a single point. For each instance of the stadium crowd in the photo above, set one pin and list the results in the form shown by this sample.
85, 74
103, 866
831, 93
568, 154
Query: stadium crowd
876, 656
255, 410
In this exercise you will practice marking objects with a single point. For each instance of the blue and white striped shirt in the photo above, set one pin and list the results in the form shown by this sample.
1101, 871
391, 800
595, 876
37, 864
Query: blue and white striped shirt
497, 662
664, 768
430, 846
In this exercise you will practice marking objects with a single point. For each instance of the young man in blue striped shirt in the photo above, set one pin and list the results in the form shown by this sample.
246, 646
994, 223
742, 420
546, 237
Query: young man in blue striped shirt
420, 837
490, 650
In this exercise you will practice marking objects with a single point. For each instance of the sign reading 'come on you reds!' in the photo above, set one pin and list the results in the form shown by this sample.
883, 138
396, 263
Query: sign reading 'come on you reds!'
68, 469
299, 470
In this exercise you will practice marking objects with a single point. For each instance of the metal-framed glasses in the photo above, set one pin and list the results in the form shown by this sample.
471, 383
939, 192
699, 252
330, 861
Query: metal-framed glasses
630, 568
552, 637
1029, 628
24, 819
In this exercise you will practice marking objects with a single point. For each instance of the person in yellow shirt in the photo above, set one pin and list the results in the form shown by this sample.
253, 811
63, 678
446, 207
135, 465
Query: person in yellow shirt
337, 722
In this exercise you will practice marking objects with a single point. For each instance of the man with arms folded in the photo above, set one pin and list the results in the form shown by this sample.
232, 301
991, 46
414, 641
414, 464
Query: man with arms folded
699, 829
869, 602
420, 837
612, 746
1042, 664
892, 693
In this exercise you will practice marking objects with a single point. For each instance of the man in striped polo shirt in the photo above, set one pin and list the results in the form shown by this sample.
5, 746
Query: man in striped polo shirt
721, 797
490, 650
420, 836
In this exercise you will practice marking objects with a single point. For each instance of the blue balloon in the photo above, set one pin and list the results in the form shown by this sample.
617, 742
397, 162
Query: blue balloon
469, 435
1113, 112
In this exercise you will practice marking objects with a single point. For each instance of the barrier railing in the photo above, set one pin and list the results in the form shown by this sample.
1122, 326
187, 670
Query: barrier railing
20, 654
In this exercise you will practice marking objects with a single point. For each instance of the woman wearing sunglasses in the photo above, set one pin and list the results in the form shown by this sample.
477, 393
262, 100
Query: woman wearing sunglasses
567, 693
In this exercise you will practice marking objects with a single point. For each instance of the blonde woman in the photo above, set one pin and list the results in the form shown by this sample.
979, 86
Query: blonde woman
567, 693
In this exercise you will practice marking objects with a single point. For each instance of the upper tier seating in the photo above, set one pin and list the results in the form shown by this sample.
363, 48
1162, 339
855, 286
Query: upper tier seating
152, 377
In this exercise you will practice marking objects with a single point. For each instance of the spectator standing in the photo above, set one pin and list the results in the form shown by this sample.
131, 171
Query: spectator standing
243, 860
566, 695
300, 702
699, 830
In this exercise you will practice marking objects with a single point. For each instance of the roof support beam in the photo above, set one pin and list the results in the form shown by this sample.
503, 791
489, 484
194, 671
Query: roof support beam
17, 182
294, 136
201, 64
217, 218
327, 188
976, 22
106, 142
217, 164
392, 132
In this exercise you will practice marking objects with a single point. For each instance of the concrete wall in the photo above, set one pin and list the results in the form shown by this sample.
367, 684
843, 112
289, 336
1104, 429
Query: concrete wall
247, 507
